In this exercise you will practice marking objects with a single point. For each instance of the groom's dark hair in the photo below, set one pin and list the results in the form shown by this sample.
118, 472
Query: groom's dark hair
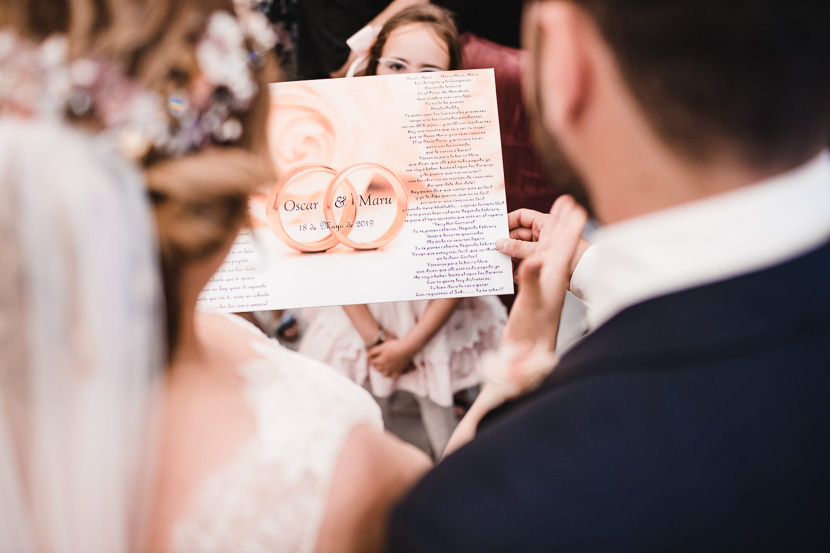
745, 77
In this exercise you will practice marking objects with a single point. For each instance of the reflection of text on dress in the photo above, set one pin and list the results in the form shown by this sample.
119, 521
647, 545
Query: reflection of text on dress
338, 224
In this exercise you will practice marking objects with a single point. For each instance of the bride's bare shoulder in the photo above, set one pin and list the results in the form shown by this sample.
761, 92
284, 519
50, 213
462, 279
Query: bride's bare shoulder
212, 321
230, 331
374, 470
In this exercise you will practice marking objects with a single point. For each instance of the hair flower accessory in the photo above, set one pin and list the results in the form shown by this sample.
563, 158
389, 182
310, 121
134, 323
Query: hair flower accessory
38, 80
33, 79
223, 58
226, 64
132, 116
257, 26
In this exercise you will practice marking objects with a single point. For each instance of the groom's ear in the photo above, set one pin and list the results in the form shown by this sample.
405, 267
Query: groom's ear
559, 36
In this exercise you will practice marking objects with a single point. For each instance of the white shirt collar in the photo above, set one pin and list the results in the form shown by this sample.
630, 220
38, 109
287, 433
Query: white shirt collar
718, 237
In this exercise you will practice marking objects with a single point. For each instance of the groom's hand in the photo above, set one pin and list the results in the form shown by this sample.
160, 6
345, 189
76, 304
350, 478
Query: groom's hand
545, 275
526, 226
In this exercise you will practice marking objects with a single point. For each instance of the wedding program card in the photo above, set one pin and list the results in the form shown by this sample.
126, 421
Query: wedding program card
390, 188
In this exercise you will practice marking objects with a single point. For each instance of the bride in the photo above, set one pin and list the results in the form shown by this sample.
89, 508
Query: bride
262, 449
259, 448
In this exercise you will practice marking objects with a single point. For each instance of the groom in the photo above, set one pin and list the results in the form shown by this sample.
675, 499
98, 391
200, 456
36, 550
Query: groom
696, 414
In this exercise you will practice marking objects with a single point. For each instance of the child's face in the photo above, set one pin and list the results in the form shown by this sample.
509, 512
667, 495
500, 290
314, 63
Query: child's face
413, 48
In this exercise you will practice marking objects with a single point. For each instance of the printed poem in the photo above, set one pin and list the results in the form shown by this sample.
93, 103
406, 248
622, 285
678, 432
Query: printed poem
237, 285
454, 212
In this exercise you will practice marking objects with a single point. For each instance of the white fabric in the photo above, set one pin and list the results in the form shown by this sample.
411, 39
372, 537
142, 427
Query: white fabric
80, 342
447, 364
272, 496
747, 229
362, 41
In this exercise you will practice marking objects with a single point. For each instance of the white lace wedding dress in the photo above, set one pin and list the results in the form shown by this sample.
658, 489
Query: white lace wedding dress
272, 495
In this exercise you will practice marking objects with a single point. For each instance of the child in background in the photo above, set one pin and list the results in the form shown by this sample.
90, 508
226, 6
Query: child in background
429, 348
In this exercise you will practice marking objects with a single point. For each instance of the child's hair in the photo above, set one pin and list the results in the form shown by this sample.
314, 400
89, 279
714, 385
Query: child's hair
439, 19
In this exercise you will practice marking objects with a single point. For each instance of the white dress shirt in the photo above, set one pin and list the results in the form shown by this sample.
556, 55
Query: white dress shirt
732, 233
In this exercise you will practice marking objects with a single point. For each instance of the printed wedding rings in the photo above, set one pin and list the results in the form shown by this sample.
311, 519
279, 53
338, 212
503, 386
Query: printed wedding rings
339, 204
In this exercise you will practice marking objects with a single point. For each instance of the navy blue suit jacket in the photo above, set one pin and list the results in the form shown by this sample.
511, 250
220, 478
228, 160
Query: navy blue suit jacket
696, 421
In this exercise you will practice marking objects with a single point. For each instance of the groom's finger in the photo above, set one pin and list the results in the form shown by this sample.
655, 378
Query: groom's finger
562, 204
525, 234
562, 212
572, 226
517, 249
528, 275
524, 218
561, 246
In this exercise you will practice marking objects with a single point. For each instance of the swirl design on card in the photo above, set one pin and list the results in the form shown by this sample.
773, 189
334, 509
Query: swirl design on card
313, 208
307, 126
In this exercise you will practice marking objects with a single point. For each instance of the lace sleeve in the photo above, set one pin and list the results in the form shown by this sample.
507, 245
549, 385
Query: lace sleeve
272, 496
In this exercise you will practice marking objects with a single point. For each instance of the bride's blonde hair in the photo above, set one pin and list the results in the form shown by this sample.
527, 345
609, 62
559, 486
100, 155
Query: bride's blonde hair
200, 199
